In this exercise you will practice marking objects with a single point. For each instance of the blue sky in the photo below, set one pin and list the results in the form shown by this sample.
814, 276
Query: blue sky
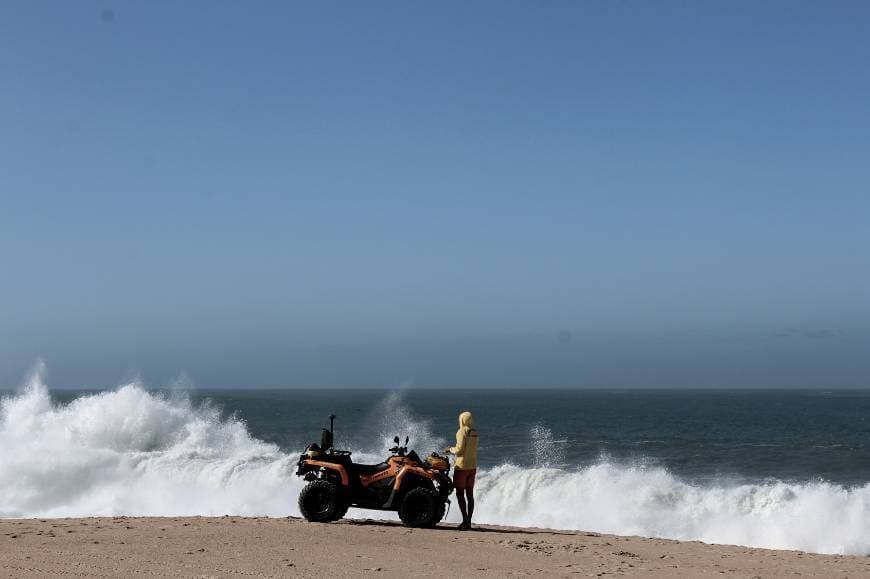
593, 193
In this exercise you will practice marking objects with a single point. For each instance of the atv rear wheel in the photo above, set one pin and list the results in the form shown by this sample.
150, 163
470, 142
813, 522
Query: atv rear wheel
322, 501
422, 507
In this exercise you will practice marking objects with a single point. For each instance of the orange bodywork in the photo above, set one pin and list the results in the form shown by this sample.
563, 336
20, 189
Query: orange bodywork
395, 463
411, 469
332, 466
399, 467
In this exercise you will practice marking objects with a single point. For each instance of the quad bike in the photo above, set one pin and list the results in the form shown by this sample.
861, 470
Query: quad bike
418, 489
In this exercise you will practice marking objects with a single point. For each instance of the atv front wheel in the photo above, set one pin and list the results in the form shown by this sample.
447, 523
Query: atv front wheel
322, 501
422, 507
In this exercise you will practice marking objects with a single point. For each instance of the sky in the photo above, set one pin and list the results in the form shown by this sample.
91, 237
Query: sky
592, 193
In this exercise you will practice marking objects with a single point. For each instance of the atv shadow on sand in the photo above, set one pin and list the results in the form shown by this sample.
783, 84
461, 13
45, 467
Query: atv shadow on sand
477, 528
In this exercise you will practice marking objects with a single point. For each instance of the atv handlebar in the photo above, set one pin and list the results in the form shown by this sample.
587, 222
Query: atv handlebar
400, 449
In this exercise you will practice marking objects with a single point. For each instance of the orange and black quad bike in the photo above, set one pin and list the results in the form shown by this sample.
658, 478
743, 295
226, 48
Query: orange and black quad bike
417, 489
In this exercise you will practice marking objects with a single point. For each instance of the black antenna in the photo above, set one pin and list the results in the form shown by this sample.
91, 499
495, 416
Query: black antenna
332, 427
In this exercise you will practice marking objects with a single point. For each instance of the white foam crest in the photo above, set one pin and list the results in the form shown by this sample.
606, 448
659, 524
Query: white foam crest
133, 452
626, 500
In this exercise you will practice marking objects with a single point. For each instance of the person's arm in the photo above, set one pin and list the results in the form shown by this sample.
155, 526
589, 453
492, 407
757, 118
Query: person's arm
459, 449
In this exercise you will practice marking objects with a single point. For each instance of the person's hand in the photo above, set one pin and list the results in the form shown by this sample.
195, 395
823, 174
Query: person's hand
447, 450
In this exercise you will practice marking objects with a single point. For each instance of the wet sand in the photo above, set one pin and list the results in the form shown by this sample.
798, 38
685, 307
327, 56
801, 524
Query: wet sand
290, 547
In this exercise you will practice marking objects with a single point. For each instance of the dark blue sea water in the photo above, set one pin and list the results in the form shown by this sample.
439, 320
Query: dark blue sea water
701, 434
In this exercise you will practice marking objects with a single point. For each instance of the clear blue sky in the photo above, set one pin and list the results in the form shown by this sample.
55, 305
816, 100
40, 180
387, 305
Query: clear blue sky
596, 193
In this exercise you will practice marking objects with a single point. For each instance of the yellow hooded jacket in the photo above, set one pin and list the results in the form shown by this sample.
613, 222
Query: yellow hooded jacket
466, 443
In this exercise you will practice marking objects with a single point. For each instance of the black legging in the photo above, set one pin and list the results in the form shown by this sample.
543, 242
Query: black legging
465, 497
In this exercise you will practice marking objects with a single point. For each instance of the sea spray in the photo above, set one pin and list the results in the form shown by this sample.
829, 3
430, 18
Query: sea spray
546, 451
620, 499
131, 451
391, 417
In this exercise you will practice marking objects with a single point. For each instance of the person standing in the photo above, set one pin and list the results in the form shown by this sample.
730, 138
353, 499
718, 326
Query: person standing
465, 467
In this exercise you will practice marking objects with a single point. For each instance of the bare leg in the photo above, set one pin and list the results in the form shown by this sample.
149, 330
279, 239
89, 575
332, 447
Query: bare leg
470, 492
460, 497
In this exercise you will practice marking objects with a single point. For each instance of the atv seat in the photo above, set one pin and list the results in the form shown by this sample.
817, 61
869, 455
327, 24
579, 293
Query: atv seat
370, 468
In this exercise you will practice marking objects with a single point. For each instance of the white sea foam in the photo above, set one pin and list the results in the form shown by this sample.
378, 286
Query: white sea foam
134, 452
813, 516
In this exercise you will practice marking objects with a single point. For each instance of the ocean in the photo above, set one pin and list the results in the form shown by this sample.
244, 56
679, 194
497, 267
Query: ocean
765, 468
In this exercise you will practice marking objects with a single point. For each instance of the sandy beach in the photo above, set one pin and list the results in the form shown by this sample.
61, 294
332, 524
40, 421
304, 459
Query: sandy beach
268, 547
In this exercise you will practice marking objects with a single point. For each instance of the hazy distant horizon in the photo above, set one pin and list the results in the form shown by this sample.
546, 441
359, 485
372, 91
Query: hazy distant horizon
187, 384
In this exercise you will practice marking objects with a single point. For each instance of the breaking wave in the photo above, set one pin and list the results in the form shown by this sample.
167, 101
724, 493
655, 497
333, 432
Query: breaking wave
130, 451
608, 498
134, 452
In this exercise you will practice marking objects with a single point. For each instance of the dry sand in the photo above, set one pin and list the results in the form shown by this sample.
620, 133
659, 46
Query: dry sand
264, 547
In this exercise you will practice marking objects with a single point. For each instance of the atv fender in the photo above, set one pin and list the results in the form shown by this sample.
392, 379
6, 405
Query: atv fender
342, 472
409, 471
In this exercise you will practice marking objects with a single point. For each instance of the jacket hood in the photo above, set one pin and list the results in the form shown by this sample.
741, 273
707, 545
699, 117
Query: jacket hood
466, 419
